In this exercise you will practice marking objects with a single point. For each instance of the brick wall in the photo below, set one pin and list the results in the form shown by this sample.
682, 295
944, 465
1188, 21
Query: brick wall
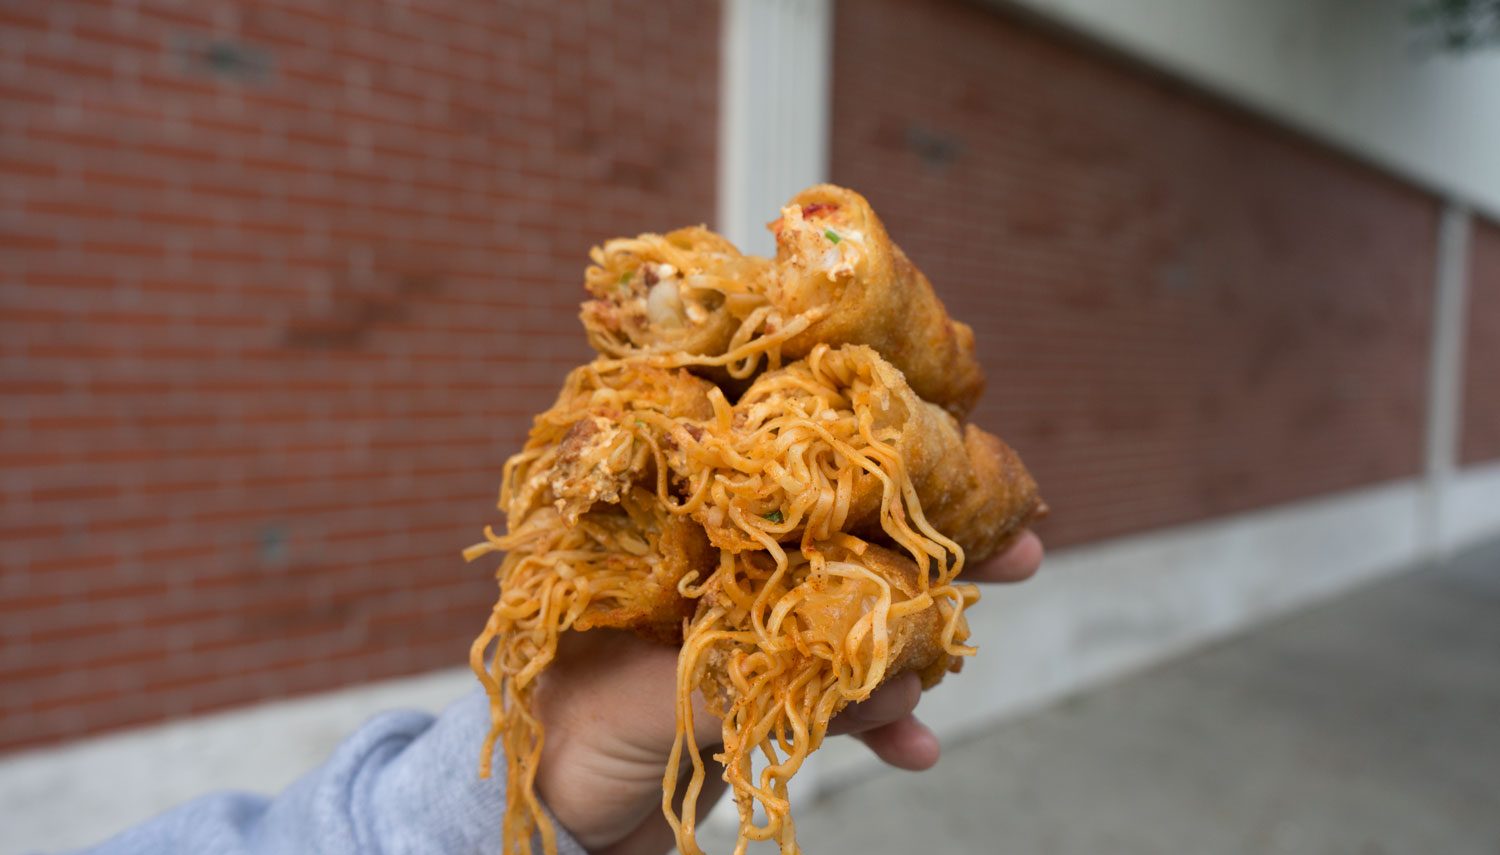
282, 283
1184, 311
1480, 438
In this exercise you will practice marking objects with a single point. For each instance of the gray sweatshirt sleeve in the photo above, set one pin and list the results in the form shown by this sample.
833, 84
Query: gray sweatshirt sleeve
405, 783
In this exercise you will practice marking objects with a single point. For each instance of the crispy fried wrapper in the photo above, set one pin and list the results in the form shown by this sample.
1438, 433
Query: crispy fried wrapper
833, 256
985, 505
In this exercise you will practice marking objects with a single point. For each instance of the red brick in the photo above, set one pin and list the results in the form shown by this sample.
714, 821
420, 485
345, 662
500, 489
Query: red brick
74, 492
18, 166
21, 17
177, 14
178, 83
20, 242
73, 66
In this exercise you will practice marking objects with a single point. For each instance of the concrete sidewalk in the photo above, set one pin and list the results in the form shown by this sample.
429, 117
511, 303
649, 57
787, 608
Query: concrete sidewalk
1370, 725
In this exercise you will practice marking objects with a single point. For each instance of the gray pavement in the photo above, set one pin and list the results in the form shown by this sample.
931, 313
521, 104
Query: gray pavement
1367, 726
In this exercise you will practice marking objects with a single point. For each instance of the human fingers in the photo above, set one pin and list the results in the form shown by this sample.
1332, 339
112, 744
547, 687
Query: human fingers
905, 743
612, 686
1016, 564
891, 702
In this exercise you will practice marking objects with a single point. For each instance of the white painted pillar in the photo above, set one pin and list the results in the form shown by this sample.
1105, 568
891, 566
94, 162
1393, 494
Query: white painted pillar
773, 111
1445, 377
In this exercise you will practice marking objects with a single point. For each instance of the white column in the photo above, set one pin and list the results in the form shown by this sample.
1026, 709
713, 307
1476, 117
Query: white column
1445, 376
773, 111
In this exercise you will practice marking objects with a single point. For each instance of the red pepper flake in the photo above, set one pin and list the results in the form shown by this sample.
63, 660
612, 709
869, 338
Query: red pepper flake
816, 208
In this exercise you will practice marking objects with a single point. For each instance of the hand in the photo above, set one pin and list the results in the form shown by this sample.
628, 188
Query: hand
607, 704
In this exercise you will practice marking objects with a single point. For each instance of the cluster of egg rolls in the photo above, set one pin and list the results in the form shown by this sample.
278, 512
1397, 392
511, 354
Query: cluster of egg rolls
766, 466
837, 278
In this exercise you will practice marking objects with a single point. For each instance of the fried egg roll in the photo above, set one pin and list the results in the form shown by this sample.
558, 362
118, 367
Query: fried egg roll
834, 258
686, 292
987, 504
603, 435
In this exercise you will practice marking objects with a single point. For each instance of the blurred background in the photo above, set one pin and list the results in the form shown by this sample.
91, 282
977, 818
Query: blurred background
281, 284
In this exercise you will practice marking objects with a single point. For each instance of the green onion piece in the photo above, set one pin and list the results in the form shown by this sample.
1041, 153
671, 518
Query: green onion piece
639, 423
774, 516
832, 235
625, 277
